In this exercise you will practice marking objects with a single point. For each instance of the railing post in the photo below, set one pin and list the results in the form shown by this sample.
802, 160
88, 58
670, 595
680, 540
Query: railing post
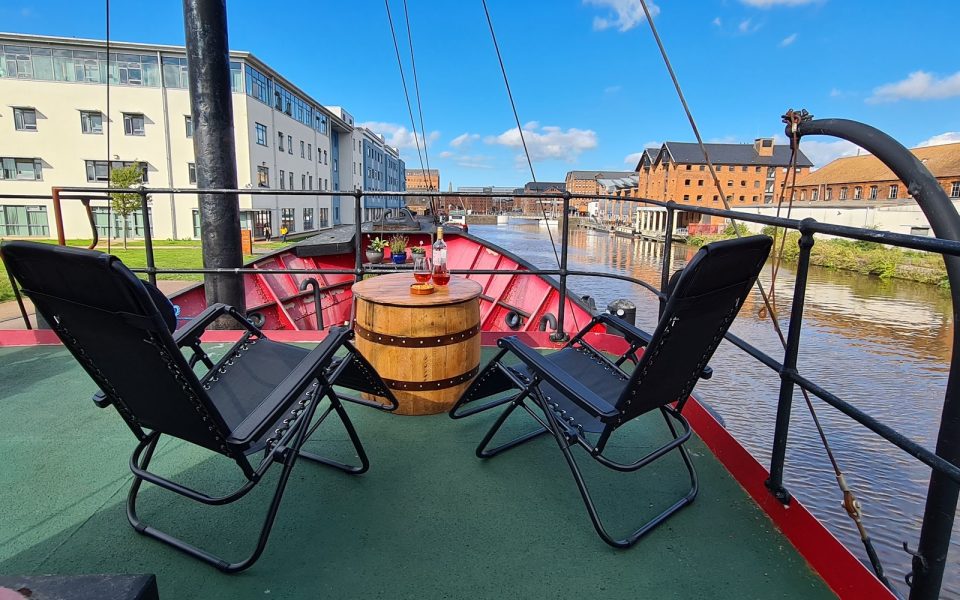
147, 237
560, 335
58, 216
775, 482
667, 247
358, 224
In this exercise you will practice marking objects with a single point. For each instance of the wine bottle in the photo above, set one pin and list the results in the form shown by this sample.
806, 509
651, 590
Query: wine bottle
441, 274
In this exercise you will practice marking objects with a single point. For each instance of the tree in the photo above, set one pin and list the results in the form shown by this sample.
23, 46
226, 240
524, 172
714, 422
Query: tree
126, 204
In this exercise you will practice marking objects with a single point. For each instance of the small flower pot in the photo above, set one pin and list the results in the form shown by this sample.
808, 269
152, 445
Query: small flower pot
399, 258
375, 257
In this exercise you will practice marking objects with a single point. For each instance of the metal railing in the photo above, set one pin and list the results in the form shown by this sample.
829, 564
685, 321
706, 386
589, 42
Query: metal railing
930, 557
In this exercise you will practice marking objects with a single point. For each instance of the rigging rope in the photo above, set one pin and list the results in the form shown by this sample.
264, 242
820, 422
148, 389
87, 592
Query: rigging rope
423, 129
403, 80
516, 117
850, 502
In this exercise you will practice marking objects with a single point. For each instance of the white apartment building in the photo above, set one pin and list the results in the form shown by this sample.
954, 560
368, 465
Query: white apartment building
54, 125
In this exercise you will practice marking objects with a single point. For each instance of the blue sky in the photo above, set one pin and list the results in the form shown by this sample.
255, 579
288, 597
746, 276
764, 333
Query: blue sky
589, 84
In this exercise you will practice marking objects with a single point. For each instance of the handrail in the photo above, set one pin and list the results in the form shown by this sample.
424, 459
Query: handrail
929, 560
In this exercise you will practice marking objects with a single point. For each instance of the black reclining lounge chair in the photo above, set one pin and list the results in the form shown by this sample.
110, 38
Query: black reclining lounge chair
261, 397
581, 396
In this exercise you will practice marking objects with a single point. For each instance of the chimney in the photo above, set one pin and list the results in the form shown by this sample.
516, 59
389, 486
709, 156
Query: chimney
763, 146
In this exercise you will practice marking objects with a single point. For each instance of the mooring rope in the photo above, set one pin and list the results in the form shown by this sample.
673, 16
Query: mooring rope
850, 502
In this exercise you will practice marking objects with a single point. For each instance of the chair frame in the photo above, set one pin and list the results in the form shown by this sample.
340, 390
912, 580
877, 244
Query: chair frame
551, 418
288, 446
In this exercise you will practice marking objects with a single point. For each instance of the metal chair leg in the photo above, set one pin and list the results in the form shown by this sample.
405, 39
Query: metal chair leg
337, 405
482, 452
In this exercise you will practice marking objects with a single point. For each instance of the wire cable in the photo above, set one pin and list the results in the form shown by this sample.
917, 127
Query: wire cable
850, 503
416, 87
516, 117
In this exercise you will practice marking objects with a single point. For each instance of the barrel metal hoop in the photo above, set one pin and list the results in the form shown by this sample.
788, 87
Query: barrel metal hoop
437, 384
429, 341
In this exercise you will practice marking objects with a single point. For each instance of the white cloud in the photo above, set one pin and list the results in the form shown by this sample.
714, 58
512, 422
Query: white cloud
633, 158
612, 89
716, 21
919, 85
398, 135
548, 142
772, 3
744, 26
475, 161
624, 15
821, 153
788, 40
446, 154
464, 139
949, 137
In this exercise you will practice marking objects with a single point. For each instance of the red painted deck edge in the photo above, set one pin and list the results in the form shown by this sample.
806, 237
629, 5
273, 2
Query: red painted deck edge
838, 567
826, 555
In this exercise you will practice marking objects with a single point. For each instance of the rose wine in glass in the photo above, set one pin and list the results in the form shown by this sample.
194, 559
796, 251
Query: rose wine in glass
422, 268
441, 274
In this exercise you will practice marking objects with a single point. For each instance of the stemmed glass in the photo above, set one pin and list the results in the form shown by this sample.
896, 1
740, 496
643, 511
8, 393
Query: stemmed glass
422, 268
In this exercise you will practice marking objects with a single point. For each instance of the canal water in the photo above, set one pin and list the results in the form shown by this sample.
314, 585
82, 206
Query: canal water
883, 346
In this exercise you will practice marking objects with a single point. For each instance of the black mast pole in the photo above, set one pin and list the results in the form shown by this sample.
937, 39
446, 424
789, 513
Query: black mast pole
211, 108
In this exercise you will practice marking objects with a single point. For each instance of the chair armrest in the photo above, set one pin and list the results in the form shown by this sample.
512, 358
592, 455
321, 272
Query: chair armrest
279, 401
573, 389
192, 331
630, 331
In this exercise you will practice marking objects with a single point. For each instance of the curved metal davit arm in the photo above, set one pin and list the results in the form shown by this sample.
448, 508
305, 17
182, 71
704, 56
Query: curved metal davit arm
930, 558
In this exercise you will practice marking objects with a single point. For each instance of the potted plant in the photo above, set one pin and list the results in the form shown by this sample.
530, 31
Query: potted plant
398, 249
418, 250
375, 250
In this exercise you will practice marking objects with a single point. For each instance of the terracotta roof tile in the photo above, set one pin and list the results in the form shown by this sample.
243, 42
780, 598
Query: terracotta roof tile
942, 161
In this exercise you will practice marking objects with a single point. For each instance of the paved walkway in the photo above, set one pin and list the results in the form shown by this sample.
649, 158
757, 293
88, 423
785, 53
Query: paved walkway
10, 313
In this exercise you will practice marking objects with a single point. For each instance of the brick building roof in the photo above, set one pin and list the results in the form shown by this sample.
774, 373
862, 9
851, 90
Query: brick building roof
598, 174
942, 161
544, 186
689, 153
424, 172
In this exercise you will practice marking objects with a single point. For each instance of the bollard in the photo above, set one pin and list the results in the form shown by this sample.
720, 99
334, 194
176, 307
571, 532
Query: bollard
624, 309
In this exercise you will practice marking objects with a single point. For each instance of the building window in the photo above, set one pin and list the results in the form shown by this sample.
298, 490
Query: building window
303, 152
921, 231
729, 183
955, 190
686, 182
686, 198
188, 125
24, 169
102, 221
699, 197
311, 182
280, 140
829, 194
24, 221
307, 219
815, 195
803, 195
309, 151
689, 167
263, 177
133, 124
192, 173
289, 144
715, 198
25, 119
291, 180
196, 224
743, 183
283, 180
261, 134
324, 157
843, 193
756, 198
91, 122
771, 172
97, 170
892, 193
287, 218
873, 192
743, 168
303, 182
325, 217
742, 198
258, 86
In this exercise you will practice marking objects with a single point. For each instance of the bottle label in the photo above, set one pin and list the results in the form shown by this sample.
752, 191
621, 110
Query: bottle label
440, 256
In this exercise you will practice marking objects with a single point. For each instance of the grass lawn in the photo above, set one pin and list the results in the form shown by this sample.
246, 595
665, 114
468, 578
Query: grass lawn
169, 254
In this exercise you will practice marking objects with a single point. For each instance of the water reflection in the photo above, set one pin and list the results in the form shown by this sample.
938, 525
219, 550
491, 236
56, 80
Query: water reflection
882, 346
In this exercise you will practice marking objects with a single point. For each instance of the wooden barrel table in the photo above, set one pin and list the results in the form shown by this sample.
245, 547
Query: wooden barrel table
426, 348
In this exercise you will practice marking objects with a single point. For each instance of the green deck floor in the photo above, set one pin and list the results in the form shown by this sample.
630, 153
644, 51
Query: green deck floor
428, 520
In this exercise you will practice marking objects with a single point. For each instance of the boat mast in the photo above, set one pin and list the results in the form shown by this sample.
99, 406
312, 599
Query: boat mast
211, 108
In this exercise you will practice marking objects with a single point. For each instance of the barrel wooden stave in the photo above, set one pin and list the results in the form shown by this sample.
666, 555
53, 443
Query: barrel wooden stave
427, 355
